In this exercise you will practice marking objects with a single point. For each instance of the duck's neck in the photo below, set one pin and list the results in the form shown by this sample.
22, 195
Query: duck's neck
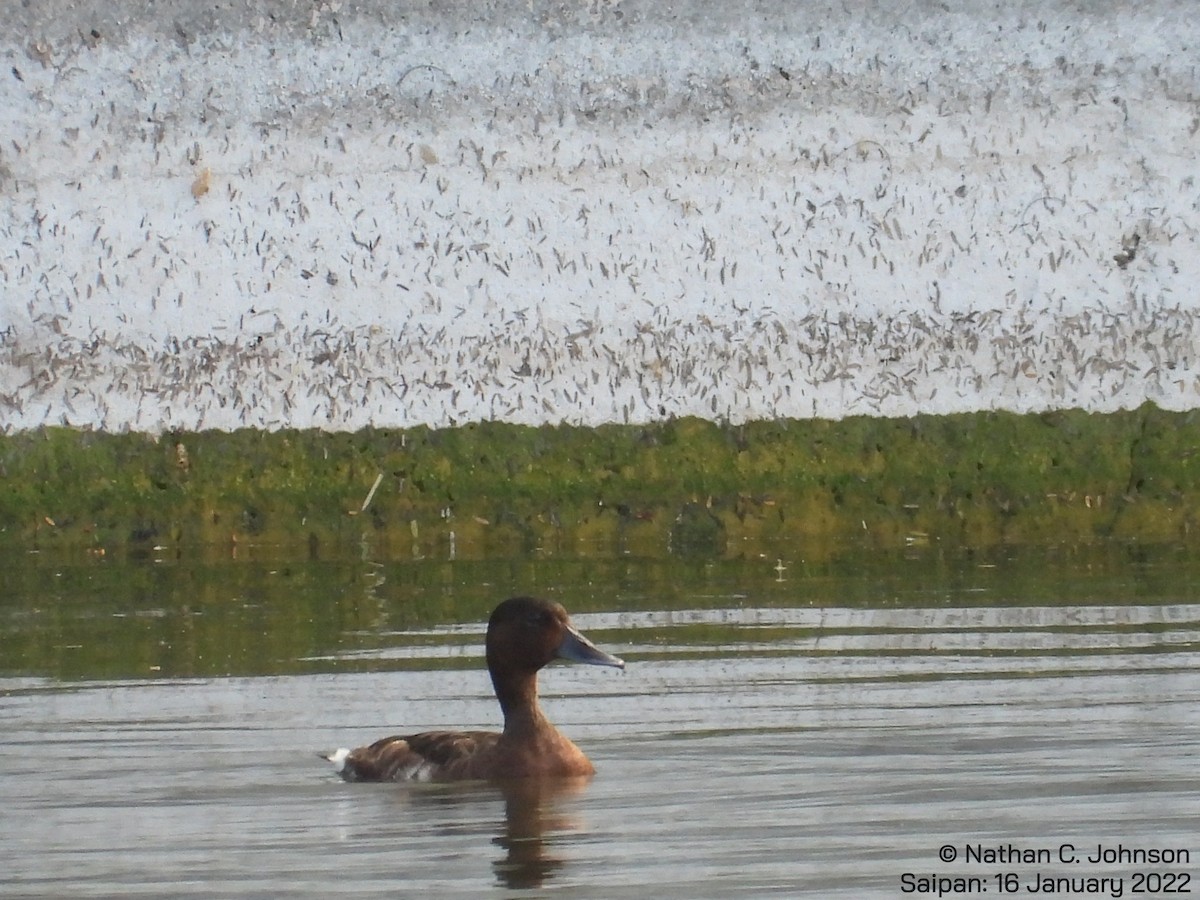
518, 698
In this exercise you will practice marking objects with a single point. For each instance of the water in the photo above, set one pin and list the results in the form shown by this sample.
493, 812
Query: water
803, 728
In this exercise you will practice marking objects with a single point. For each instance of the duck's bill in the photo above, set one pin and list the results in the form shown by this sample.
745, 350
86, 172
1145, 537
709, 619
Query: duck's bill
577, 648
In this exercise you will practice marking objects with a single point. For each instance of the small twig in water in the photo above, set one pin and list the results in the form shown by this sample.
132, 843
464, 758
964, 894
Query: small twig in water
1047, 201
412, 69
371, 493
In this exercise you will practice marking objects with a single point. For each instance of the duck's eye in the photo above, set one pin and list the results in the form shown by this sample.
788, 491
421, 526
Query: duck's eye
537, 618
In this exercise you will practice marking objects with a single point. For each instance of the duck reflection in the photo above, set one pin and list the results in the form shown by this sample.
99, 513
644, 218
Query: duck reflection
463, 820
532, 816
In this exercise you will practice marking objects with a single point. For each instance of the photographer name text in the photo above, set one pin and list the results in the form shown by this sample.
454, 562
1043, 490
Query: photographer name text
1101, 854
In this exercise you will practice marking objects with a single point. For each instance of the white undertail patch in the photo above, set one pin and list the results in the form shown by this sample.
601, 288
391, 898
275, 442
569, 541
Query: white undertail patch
338, 758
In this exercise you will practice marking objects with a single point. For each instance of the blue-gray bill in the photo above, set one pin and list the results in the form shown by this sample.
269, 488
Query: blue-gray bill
577, 648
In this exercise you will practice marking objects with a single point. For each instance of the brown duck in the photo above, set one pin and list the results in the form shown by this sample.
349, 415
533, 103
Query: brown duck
523, 635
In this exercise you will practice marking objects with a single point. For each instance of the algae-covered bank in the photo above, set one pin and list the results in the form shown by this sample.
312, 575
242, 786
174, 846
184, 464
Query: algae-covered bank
700, 274
684, 485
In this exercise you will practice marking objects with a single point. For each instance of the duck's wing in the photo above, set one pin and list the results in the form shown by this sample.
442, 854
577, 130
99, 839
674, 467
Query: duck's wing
429, 756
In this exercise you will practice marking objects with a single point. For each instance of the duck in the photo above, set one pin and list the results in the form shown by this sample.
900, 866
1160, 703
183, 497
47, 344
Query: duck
524, 634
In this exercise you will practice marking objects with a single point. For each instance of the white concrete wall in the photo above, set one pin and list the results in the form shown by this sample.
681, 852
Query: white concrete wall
335, 214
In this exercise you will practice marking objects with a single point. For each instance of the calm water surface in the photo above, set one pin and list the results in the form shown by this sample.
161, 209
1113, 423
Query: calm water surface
782, 727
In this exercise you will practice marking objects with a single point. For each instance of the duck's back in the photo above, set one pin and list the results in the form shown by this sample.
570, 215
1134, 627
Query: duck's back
459, 755
429, 756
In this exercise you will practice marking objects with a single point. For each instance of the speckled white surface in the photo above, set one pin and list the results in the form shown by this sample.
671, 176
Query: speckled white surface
373, 214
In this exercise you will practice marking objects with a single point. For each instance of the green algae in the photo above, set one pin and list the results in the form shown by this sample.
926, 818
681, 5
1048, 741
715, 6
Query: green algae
686, 485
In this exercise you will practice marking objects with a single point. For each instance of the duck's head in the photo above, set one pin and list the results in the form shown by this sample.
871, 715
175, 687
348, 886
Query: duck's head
525, 633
